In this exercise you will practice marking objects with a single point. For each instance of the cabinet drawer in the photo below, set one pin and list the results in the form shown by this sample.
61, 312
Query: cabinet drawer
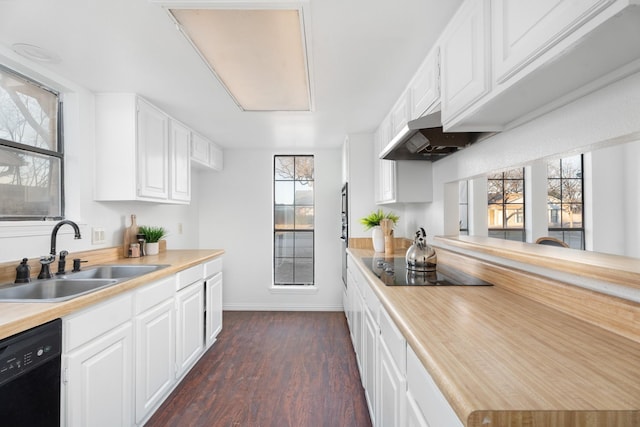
394, 340
212, 267
154, 293
186, 277
432, 403
96, 320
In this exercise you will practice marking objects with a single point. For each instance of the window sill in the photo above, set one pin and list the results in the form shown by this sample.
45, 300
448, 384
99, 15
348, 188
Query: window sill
293, 289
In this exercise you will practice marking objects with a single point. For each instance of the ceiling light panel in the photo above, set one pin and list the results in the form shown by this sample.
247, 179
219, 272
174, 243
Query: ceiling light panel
259, 55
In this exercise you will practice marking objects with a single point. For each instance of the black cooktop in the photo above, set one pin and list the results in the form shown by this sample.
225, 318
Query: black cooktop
393, 272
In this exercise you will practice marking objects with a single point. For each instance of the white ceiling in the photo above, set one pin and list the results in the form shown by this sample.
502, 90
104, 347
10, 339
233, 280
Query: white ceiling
363, 53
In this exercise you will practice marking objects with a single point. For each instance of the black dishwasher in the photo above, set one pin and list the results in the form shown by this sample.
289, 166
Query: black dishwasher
30, 377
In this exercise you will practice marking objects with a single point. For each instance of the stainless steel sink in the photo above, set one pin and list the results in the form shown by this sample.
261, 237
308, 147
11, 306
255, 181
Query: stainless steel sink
52, 290
73, 285
121, 271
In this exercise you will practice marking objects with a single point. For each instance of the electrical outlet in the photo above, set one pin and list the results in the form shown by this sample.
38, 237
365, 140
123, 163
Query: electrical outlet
179, 228
98, 236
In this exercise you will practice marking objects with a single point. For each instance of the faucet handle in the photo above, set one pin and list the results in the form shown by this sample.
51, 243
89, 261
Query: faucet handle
47, 259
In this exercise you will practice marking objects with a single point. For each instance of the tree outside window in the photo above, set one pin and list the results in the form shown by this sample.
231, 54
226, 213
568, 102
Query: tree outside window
565, 200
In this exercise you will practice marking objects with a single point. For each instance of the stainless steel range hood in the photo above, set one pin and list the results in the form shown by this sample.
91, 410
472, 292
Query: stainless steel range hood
424, 139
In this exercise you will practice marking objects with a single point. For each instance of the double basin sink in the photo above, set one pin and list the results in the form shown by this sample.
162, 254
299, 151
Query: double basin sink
72, 285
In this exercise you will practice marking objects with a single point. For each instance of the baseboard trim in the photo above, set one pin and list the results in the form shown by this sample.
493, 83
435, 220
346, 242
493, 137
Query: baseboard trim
287, 307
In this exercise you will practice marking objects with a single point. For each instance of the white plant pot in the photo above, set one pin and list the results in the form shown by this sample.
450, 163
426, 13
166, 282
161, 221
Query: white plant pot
377, 236
152, 248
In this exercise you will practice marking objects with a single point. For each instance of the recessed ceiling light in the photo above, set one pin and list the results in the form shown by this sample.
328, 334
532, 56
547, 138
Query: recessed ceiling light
260, 56
35, 53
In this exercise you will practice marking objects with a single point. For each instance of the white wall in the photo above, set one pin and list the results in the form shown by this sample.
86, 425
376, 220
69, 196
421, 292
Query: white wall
32, 239
606, 117
236, 213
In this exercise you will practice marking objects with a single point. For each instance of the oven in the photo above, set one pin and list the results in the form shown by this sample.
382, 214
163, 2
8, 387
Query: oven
30, 376
344, 234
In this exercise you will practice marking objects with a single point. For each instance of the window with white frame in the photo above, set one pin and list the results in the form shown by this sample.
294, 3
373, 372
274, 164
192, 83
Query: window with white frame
293, 220
31, 152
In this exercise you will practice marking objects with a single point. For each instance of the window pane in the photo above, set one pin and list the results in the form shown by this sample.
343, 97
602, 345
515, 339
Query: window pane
304, 193
284, 167
515, 215
283, 244
494, 191
572, 167
304, 218
29, 184
304, 245
304, 168
572, 190
464, 221
29, 113
553, 168
571, 215
283, 217
513, 191
495, 216
303, 271
283, 270
283, 192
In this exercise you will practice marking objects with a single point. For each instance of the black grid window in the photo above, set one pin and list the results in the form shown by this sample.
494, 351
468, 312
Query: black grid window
463, 204
293, 220
565, 200
505, 203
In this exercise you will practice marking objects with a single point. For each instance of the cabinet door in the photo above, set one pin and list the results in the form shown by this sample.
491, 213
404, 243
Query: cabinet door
155, 356
399, 114
392, 390
465, 58
522, 31
153, 152
370, 359
189, 326
414, 415
180, 163
216, 158
386, 168
200, 149
99, 384
424, 89
213, 293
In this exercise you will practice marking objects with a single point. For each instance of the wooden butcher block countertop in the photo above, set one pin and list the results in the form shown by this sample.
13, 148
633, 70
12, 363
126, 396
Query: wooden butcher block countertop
502, 359
18, 317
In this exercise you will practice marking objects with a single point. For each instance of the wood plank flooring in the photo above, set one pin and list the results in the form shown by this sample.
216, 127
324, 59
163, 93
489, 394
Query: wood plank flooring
272, 369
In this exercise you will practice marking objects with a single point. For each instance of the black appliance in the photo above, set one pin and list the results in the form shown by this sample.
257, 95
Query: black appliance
30, 377
344, 234
394, 272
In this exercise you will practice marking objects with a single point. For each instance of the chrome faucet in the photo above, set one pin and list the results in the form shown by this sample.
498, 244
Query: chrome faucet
44, 272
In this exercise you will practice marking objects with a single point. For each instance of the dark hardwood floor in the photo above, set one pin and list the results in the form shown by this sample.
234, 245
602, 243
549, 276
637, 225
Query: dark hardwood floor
272, 369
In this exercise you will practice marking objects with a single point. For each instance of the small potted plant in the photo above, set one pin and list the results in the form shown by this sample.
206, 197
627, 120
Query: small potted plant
372, 222
152, 236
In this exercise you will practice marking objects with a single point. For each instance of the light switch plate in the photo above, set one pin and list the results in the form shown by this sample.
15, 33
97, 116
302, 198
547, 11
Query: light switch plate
97, 236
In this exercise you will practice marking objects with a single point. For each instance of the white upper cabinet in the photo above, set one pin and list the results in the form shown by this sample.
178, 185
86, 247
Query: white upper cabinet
506, 62
180, 143
424, 88
138, 157
205, 154
523, 31
465, 59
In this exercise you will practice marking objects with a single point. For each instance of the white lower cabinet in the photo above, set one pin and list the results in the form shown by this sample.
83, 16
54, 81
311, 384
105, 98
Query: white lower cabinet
189, 326
398, 389
122, 357
97, 364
